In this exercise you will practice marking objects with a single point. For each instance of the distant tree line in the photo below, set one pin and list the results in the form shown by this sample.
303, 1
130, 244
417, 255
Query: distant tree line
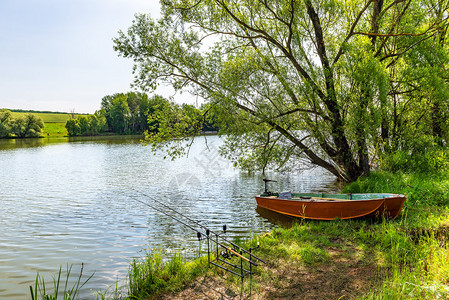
128, 113
119, 114
136, 113
37, 111
86, 125
28, 125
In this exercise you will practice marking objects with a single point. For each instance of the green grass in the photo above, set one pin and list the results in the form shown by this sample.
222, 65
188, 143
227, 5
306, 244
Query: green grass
415, 248
151, 275
46, 117
54, 130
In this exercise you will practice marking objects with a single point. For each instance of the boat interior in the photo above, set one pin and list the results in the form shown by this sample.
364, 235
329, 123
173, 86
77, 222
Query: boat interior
322, 196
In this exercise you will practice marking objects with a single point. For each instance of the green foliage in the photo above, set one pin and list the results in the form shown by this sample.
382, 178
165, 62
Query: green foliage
427, 162
28, 125
119, 114
86, 125
159, 119
72, 127
126, 113
97, 124
20, 125
54, 122
151, 275
420, 189
422, 175
69, 293
172, 126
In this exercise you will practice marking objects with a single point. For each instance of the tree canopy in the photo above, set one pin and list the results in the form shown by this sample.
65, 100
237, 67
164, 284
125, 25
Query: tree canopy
126, 113
28, 125
334, 82
86, 125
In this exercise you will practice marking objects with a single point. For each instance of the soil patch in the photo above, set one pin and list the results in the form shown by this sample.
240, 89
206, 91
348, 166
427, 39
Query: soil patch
344, 276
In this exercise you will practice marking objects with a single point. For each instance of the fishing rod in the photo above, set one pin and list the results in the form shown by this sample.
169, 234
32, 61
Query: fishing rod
202, 226
198, 232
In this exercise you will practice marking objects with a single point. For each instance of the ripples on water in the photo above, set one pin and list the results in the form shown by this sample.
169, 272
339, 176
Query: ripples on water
72, 203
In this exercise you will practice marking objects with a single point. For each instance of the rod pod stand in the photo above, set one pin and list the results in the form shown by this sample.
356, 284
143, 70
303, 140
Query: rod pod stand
237, 251
236, 269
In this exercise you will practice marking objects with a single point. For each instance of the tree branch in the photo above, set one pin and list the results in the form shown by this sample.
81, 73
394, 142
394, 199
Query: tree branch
315, 159
302, 110
351, 31
399, 54
263, 34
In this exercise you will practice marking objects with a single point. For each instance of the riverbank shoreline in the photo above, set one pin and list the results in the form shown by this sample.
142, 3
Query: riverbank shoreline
405, 258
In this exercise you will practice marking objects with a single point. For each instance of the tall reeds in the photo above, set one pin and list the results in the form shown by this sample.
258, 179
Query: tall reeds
40, 290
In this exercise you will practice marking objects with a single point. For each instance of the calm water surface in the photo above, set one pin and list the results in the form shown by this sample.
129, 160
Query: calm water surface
66, 202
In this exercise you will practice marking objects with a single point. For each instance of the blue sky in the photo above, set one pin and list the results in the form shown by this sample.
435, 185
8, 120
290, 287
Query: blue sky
57, 54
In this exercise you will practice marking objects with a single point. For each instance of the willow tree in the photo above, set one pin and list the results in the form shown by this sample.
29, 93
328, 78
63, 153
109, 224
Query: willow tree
420, 86
289, 79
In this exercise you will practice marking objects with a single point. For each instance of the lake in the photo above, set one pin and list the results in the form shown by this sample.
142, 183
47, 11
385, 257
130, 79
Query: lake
72, 201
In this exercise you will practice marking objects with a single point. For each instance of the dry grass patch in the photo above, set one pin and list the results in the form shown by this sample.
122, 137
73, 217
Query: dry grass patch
283, 278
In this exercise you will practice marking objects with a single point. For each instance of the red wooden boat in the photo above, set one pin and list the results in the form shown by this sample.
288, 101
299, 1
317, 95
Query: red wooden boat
333, 206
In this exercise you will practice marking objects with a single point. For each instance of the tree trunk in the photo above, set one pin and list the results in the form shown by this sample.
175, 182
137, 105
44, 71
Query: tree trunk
345, 156
437, 130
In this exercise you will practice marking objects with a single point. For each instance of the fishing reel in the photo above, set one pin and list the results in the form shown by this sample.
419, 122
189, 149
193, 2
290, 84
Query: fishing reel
267, 192
226, 254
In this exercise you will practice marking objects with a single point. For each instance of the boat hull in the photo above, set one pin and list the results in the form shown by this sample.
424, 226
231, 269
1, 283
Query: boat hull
329, 208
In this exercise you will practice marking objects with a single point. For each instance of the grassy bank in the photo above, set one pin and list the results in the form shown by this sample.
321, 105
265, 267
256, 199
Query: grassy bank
358, 259
406, 258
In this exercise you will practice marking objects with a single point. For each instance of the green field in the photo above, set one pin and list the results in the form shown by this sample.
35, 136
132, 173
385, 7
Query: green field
54, 130
47, 117
54, 122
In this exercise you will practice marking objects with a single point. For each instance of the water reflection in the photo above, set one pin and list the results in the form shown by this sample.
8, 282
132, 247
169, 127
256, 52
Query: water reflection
276, 218
14, 144
73, 201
